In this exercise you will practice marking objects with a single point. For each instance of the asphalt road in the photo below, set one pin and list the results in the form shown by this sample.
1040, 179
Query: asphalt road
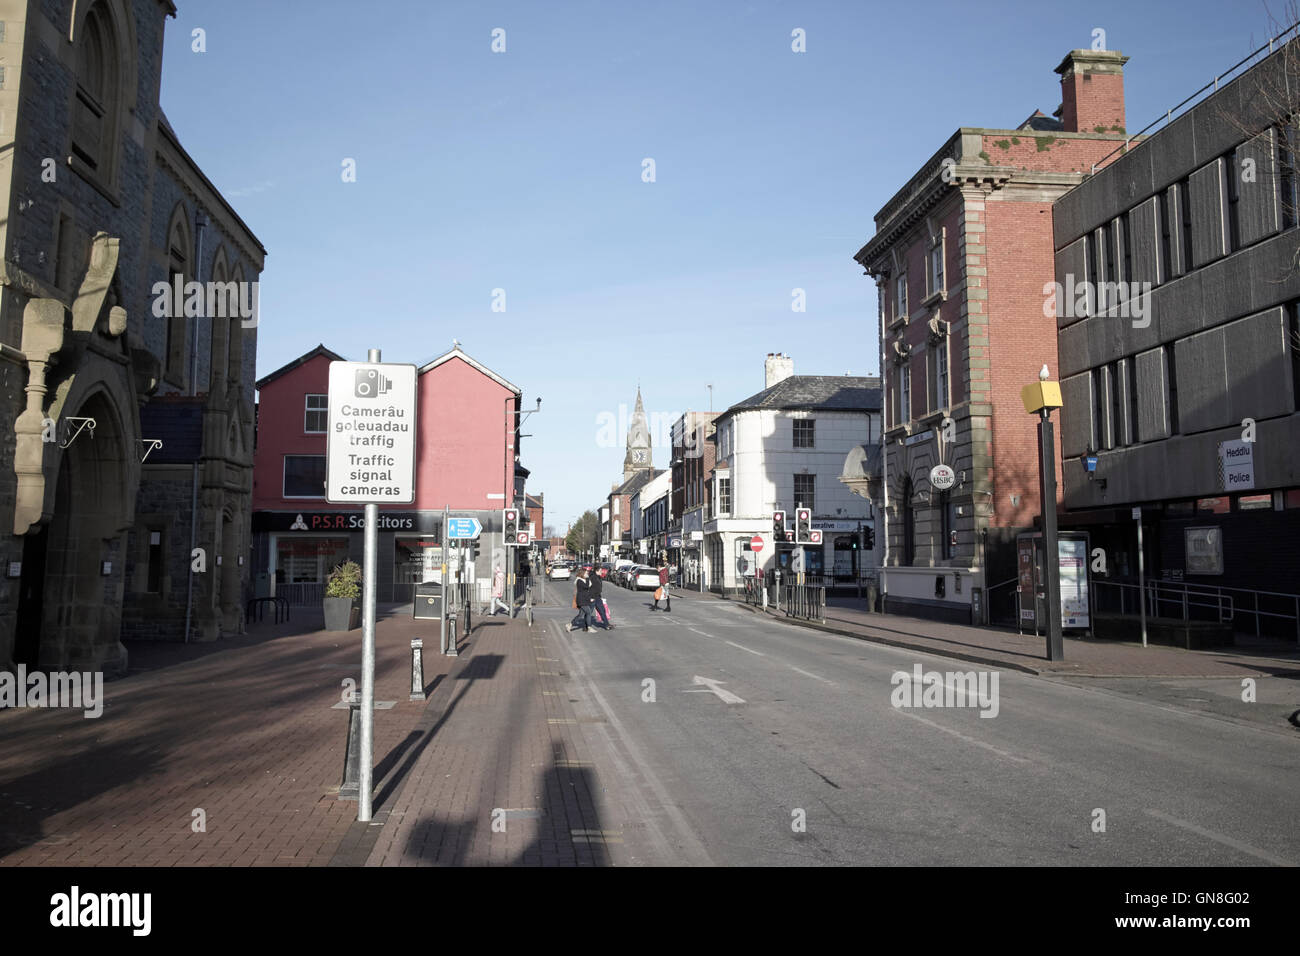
760, 743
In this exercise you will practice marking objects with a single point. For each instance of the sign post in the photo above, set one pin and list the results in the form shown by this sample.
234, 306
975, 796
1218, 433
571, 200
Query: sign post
1142, 576
370, 459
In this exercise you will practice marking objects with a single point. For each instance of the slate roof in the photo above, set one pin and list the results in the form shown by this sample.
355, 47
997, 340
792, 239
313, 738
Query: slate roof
636, 482
178, 421
300, 360
842, 393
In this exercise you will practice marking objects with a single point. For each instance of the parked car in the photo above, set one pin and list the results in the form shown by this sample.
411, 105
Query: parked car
645, 577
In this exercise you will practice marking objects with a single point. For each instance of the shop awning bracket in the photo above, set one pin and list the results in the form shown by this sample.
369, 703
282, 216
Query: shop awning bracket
84, 423
153, 445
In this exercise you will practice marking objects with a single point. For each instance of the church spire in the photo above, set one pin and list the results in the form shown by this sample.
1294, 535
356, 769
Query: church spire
638, 456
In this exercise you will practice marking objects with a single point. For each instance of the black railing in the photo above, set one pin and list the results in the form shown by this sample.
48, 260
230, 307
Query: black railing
804, 601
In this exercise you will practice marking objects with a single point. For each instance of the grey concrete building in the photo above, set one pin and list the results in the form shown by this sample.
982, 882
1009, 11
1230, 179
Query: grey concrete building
102, 209
1177, 307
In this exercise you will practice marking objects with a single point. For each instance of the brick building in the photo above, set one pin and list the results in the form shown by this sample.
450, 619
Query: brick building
693, 458
466, 451
102, 208
960, 256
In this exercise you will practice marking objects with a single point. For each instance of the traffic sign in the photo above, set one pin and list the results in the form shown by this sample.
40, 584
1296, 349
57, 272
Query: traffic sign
370, 444
756, 543
462, 528
814, 537
522, 538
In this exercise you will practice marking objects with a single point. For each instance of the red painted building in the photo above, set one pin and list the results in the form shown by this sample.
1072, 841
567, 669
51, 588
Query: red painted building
466, 460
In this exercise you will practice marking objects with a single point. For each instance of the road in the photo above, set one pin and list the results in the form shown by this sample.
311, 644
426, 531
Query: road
761, 743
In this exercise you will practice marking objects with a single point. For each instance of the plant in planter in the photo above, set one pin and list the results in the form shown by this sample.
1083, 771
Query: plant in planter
341, 590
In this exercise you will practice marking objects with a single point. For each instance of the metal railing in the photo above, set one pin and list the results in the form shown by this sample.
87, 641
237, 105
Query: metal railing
805, 601
754, 592
302, 594
1207, 602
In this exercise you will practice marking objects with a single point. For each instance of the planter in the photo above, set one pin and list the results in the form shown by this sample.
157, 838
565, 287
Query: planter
340, 615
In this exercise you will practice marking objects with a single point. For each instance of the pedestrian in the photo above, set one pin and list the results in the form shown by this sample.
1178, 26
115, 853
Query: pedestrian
598, 602
661, 593
498, 589
581, 601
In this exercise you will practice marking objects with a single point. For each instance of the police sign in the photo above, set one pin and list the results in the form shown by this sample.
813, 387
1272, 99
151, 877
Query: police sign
370, 449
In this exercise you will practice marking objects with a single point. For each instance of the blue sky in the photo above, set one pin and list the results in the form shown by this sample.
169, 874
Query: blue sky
522, 171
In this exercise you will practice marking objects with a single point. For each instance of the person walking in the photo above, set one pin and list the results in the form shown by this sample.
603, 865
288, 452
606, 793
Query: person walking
662, 591
581, 601
499, 589
597, 602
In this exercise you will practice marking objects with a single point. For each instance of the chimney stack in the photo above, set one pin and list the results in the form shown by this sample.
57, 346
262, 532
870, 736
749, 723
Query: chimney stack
777, 368
1092, 91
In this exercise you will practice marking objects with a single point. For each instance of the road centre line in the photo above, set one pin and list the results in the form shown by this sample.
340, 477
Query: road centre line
957, 733
1220, 838
744, 648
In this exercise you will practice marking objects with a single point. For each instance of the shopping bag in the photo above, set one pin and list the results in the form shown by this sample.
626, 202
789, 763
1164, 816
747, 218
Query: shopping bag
659, 593
606, 606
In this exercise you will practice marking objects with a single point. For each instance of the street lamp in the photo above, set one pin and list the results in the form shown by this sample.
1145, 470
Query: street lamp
1040, 398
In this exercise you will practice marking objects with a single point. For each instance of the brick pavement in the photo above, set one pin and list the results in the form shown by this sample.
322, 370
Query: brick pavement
241, 729
1083, 657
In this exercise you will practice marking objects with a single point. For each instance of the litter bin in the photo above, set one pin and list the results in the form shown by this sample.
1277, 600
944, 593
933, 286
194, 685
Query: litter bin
428, 601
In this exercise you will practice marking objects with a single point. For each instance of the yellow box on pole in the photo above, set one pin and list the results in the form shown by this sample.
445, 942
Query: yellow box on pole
1041, 395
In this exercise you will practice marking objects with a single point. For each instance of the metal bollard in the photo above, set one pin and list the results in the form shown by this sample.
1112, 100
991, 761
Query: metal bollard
350, 789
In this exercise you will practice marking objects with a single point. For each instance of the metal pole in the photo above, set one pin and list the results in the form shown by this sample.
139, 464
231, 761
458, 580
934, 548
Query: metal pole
369, 559
442, 618
1051, 555
1142, 576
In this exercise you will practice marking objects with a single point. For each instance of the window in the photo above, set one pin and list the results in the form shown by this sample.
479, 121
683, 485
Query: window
153, 578
805, 492
724, 496
316, 413
1171, 376
235, 341
1185, 211
1255, 502
178, 259
934, 274
905, 393
1204, 549
1165, 267
1117, 424
1107, 239
304, 476
1126, 223
1286, 168
1293, 345
909, 524
942, 394
900, 296
1132, 385
804, 432
1180, 509
1228, 174
1092, 281
94, 133
1212, 506
1098, 423
948, 526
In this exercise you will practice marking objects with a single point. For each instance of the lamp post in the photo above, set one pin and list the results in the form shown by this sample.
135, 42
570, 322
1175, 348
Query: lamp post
1040, 398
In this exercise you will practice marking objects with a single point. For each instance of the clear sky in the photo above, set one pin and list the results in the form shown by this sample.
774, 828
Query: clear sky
522, 171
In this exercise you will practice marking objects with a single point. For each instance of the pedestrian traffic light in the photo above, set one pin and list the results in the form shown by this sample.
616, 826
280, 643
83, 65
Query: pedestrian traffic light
510, 519
778, 525
803, 525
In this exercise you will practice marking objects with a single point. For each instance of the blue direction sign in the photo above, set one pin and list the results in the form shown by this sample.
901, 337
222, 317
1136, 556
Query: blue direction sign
463, 528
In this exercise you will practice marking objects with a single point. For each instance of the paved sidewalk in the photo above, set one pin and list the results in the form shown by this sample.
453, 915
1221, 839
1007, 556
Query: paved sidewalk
242, 730
1083, 657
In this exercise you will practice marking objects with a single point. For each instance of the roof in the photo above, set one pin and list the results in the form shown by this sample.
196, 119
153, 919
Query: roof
636, 482
840, 393
178, 421
464, 357
300, 360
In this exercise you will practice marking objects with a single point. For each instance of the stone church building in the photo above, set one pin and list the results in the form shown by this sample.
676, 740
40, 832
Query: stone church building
126, 418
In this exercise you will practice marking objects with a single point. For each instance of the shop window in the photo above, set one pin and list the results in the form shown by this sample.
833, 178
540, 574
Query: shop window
304, 476
1212, 506
1255, 502
308, 560
1180, 509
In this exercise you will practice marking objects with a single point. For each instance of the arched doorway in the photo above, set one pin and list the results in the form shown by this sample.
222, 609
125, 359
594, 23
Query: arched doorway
79, 606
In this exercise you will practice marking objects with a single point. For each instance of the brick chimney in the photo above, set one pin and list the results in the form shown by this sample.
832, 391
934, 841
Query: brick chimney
1092, 91
777, 368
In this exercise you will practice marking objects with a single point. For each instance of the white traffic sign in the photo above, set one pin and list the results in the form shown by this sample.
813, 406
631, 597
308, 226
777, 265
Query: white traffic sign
370, 448
756, 543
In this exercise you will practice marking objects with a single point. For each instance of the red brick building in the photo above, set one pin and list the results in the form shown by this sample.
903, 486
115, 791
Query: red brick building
961, 256
466, 460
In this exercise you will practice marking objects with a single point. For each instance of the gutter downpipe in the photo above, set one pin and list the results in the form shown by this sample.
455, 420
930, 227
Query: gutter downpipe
884, 454
200, 222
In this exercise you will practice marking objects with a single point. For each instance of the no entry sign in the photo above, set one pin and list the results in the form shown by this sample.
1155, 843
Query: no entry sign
756, 543
370, 449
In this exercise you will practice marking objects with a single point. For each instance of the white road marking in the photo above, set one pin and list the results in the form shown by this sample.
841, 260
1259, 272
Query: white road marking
744, 648
955, 733
726, 696
1220, 838
807, 674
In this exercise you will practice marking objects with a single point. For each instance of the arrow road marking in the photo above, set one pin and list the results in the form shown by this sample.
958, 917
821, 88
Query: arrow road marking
726, 696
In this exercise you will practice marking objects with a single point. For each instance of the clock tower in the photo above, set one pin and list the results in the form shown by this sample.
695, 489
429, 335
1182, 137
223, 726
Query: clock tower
638, 442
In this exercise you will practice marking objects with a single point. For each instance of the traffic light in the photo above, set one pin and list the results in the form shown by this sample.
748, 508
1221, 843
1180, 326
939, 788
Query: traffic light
871, 539
778, 525
803, 525
510, 518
